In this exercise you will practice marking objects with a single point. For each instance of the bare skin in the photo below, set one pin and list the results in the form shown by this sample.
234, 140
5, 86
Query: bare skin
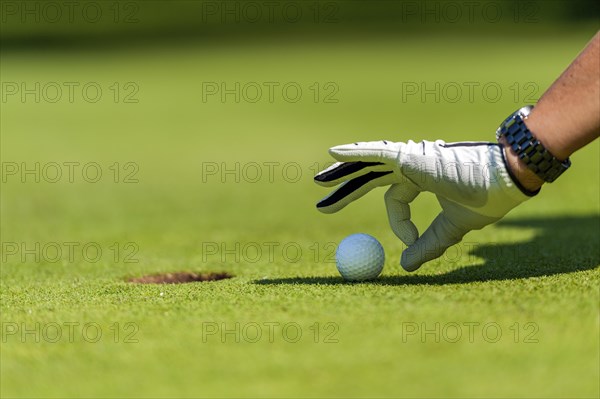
567, 116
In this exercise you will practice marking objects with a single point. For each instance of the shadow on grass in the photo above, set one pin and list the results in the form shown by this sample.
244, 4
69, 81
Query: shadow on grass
560, 245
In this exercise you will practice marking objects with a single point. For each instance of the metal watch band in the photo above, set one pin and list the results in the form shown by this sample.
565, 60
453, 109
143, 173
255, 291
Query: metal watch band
537, 158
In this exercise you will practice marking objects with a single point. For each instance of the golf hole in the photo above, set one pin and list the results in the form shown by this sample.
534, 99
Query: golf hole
180, 278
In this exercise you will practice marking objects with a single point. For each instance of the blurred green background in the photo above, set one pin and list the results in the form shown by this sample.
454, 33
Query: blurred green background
39, 23
161, 98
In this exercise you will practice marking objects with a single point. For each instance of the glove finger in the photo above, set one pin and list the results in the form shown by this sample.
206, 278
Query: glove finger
397, 199
353, 190
370, 151
342, 171
433, 243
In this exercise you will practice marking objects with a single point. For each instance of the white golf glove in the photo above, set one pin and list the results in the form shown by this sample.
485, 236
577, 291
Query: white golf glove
470, 179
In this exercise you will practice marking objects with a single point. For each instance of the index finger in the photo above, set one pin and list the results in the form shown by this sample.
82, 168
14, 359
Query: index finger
370, 151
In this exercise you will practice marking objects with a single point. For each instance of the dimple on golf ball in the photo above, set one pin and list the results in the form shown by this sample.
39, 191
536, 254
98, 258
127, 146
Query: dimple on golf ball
359, 257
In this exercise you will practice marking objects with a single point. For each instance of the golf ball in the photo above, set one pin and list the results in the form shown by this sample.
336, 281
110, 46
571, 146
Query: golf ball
359, 257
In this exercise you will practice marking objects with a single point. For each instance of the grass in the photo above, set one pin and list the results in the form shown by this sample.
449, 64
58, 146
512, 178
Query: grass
534, 276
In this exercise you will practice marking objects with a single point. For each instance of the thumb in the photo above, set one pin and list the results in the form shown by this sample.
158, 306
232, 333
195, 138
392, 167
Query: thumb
441, 234
397, 200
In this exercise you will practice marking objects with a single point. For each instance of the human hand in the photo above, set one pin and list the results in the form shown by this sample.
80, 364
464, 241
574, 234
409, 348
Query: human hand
470, 179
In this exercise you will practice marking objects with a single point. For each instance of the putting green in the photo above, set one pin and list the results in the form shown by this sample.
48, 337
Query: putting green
182, 180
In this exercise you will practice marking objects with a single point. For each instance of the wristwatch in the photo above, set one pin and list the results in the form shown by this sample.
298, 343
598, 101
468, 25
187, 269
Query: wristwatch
537, 158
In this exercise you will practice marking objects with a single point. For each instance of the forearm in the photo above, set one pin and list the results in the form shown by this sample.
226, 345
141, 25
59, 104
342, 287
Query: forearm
567, 116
